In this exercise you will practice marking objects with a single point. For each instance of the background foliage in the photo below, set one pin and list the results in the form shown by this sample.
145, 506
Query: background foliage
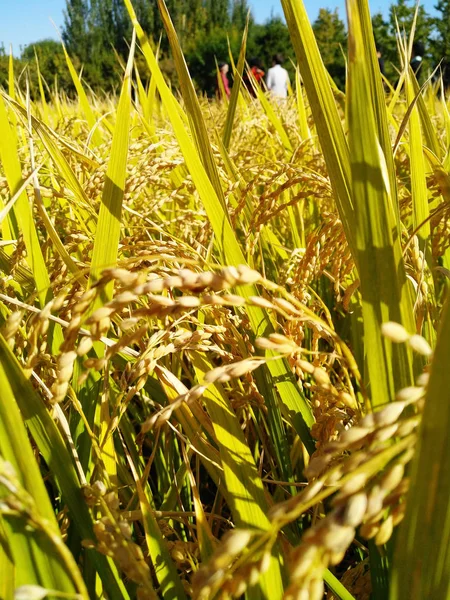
95, 32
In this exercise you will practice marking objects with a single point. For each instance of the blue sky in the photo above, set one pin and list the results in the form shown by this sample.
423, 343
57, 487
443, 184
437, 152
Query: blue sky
26, 21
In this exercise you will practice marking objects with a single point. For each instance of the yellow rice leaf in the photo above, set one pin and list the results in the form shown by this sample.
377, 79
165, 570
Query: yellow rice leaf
41, 90
194, 113
429, 132
9, 226
193, 424
220, 86
273, 117
237, 460
245, 489
296, 407
12, 89
142, 95
378, 97
48, 140
231, 112
108, 228
22, 211
11, 86
301, 109
83, 100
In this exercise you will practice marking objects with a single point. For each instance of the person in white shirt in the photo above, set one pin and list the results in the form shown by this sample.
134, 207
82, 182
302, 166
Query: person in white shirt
278, 78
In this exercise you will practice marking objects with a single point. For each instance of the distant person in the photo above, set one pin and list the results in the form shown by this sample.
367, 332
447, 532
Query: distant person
445, 71
418, 51
442, 74
278, 78
224, 68
380, 60
254, 76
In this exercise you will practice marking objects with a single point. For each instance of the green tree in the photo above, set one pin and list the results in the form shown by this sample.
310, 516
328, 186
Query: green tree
268, 39
97, 33
239, 13
440, 46
211, 46
331, 38
52, 64
382, 34
218, 12
75, 32
404, 11
3, 67
387, 44
195, 19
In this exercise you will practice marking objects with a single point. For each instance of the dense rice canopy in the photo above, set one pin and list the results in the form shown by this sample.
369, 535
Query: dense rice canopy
195, 334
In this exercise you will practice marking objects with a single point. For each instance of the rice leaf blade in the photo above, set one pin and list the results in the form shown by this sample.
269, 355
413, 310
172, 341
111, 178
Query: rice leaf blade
290, 395
323, 107
166, 573
83, 100
33, 552
22, 210
421, 566
108, 227
377, 242
245, 489
51, 445
418, 177
231, 112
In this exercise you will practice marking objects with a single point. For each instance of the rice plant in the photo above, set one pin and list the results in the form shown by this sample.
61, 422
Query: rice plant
224, 334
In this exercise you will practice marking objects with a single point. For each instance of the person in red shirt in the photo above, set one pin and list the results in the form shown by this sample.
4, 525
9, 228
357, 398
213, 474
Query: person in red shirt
255, 74
223, 68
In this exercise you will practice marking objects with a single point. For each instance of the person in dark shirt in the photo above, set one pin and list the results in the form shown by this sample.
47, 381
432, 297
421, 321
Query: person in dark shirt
445, 72
418, 51
380, 60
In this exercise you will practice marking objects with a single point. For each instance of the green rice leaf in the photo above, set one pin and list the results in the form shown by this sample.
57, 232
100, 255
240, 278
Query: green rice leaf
385, 296
35, 555
245, 490
52, 447
231, 112
421, 561
323, 107
166, 573
418, 177
7, 567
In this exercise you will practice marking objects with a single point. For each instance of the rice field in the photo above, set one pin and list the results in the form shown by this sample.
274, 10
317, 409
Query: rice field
224, 335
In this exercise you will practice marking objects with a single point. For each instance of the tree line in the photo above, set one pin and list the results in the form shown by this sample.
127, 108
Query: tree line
97, 32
